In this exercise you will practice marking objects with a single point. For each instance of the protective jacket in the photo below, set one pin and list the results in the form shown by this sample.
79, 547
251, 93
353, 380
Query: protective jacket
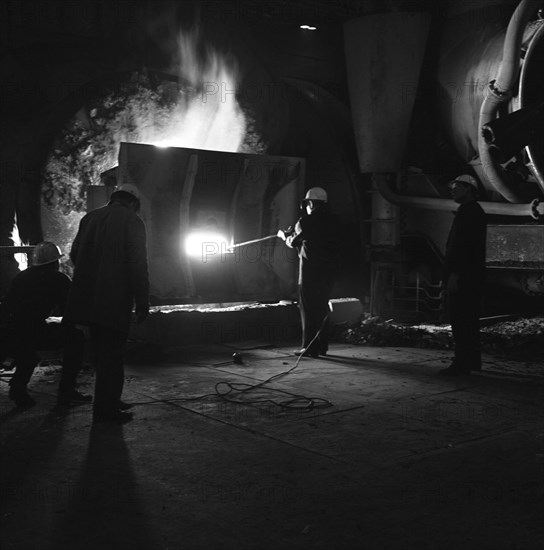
316, 240
36, 293
465, 248
110, 268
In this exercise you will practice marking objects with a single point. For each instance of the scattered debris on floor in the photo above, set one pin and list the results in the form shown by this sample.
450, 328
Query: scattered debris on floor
521, 334
524, 333
375, 331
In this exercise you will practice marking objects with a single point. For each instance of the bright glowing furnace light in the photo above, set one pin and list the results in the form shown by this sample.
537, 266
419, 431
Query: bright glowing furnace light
206, 244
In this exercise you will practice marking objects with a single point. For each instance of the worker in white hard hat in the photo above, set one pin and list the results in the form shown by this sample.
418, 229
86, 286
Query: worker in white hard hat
34, 295
110, 280
464, 271
316, 238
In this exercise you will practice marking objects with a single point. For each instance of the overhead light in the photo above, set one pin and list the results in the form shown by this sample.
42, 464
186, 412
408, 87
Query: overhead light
308, 27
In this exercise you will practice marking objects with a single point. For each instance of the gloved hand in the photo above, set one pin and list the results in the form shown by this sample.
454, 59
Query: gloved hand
142, 311
284, 233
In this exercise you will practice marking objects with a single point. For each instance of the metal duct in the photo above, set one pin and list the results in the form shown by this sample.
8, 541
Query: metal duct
534, 209
384, 53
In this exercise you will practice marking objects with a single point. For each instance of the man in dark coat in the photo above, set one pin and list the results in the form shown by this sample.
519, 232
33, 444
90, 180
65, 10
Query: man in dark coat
34, 295
315, 239
464, 275
110, 278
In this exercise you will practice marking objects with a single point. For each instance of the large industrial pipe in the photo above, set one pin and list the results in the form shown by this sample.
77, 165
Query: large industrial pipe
508, 135
534, 209
531, 92
500, 90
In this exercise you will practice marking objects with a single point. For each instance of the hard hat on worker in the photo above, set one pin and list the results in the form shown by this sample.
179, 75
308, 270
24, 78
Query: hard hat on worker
127, 188
316, 194
46, 253
467, 179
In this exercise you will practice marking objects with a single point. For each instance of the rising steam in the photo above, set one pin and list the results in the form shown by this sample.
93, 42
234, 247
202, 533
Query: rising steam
207, 114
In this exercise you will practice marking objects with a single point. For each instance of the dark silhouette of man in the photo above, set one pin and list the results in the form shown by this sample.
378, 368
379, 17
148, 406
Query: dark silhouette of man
110, 277
314, 237
464, 275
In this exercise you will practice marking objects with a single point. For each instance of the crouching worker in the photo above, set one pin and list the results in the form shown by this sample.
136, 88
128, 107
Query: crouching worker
35, 294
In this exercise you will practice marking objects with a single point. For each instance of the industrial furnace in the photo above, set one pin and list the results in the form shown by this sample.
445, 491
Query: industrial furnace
196, 205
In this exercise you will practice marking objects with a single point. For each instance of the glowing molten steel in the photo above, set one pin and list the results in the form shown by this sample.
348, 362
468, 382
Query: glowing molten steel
205, 244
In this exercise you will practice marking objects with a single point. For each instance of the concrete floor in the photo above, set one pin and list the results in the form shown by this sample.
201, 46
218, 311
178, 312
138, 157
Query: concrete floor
391, 456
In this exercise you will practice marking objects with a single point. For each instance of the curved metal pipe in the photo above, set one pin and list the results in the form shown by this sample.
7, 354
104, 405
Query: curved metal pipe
530, 90
534, 209
499, 91
509, 134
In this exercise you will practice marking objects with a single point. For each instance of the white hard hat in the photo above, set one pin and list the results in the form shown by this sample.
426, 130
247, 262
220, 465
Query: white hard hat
316, 194
468, 179
46, 253
128, 188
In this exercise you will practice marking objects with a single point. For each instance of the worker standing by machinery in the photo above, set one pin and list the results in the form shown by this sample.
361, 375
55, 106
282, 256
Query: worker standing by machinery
111, 277
34, 295
315, 238
464, 275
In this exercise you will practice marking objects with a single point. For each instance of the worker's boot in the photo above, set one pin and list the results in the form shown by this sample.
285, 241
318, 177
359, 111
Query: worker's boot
24, 367
306, 352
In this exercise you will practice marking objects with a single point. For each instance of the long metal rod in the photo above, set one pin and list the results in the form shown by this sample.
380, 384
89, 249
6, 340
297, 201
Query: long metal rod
252, 242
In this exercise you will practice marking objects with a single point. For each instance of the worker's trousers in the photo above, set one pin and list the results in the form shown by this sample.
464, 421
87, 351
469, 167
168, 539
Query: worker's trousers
107, 348
464, 309
30, 337
314, 313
